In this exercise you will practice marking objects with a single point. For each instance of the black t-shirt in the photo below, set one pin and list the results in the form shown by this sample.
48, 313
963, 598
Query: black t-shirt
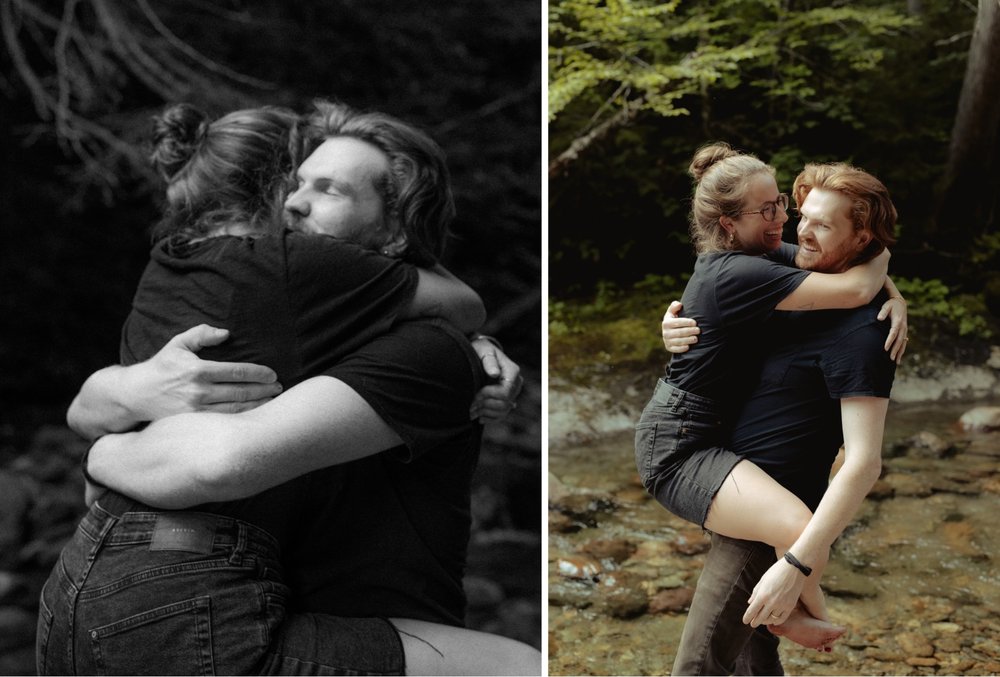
297, 303
730, 295
388, 534
790, 426
294, 302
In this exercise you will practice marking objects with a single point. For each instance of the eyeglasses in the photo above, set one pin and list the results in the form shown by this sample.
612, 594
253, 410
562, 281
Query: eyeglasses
770, 209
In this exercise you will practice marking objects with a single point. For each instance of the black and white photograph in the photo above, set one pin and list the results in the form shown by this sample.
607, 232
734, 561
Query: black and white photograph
271, 386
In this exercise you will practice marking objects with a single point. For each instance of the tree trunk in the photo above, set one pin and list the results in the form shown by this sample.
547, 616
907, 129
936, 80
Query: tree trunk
971, 187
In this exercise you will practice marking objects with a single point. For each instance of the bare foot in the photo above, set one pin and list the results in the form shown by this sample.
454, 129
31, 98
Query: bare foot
810, 632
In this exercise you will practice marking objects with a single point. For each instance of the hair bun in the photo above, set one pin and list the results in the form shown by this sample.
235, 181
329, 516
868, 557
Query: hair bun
708, 156
177, 134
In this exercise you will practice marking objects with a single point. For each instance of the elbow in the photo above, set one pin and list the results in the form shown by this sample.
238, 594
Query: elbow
869, 471
864, 296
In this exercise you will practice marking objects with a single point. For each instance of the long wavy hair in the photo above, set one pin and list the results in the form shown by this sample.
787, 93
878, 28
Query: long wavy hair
416, 193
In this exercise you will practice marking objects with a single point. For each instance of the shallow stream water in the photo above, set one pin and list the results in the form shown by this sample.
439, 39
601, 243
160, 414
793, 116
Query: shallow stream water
914, 578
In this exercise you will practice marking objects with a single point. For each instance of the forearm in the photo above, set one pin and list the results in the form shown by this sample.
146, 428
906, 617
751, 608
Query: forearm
839, 505
102, 405
863, 420
202, 457
173, 463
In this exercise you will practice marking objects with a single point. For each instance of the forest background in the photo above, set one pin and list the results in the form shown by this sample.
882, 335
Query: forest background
80, 81
909, 91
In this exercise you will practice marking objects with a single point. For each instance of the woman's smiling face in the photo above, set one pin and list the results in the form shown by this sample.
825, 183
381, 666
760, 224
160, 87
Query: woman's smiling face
755, 234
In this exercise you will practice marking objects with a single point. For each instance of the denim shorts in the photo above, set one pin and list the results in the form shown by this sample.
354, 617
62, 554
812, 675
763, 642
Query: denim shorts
679, 452
140, 591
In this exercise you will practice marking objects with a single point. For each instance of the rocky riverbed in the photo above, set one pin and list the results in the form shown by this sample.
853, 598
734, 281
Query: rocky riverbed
914, 578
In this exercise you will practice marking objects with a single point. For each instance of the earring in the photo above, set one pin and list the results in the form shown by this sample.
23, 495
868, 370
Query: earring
732, 237
385, 251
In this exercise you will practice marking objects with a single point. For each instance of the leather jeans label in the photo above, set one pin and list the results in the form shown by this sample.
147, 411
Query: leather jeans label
187, 533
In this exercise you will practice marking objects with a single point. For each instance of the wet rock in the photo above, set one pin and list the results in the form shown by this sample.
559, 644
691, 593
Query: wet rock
579, 567
617, 549
621, 596
692, 542
914, 644
573, 594
881, 490
959, 667
990, 647
632, 495
923, 445
985, 444
980, 419
849, 584
932, 610
906, 484
584, 507
946, 645
653, 553
671, 601
557, 490
959, 537
668, 582
562, 524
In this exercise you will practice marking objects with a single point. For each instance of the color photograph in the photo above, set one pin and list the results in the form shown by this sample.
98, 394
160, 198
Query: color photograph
774, 338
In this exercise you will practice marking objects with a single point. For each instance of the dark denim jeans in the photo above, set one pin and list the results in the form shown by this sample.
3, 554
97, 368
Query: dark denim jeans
161, 592
715, 641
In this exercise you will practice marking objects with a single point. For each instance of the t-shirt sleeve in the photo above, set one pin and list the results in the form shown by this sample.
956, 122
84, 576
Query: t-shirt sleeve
859, 366
343, 295
749, 287
420, 377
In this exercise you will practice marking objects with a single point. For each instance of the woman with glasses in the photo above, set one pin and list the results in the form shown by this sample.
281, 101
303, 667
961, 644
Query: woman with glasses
743, 273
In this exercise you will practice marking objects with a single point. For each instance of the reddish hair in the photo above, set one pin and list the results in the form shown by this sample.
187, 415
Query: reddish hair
871, 206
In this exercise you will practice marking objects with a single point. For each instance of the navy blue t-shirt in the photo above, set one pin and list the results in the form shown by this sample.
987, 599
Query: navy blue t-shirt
790, 426
730, 295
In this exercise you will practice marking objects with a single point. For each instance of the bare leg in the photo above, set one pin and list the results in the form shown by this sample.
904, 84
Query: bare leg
435, 649
736, 511
810, 632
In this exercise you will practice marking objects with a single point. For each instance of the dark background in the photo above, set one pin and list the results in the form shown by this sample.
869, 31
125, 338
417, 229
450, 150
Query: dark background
80, 81
908, 90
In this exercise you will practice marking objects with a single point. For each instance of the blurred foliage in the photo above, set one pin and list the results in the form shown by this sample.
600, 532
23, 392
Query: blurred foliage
81, 79
940, 314
637, 86
615, 326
